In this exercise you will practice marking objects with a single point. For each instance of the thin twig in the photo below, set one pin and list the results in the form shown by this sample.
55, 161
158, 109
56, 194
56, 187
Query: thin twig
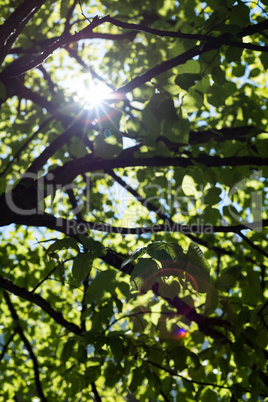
174, 373
252, 245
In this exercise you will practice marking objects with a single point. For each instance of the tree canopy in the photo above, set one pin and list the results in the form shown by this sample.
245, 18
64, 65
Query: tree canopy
133, 200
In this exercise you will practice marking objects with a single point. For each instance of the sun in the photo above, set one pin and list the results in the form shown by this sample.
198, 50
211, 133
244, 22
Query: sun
96, 93
89, 92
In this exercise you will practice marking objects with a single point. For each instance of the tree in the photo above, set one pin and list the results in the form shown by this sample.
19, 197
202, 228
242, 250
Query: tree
134, 229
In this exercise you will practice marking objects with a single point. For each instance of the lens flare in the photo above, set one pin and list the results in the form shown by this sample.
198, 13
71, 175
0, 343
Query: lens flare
179, 334
170, 292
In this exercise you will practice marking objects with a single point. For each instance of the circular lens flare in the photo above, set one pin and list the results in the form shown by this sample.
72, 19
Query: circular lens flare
169, 292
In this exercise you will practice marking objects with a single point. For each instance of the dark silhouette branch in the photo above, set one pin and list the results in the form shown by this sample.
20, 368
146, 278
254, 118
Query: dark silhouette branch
252, 245
24, 146
240, 133
174, 373
159, 69
218, 40
9, 286
30, 61
74, 228
89, 69
95, 392
10, 339
69, 16
67, 173
223, 39
254, 28
27, 346
15, 23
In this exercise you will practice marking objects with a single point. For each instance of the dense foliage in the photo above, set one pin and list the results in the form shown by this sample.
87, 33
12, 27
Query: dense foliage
134, 229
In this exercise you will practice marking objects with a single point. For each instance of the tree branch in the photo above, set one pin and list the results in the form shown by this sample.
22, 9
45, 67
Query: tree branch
252, 245
24, 146
7, 344
159, 69
254, 28
8, 285
74, 227
222, 39
240, 133
69, 16
67, 173
28, 347
30, 61
219, 40
174, 373
15, 23
156, 210
95, 392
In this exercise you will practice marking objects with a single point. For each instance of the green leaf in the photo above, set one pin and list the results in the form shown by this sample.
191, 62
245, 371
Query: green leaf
185, 81
82, 266
95, 247
217, 95
62, 244
64, 7
117, 345
233, 54
198, 267
144, 269
162, 251
190, 67
211, 216
264, 60
212, 196
103, 282
218, 75
208, 395
151, 124
138, 252
77, 148
179, 355
65, 349
108, 147
240, 15
137, 378
193, 101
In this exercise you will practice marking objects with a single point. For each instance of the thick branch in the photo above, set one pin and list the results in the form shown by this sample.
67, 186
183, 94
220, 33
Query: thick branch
240, 133
15, 23
66, 174
75, 227
251, 29
218, 40
30, 61
254, 28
